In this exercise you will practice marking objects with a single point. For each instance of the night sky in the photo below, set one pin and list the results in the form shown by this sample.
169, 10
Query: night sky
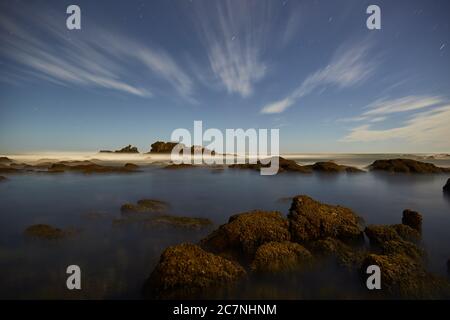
137, 70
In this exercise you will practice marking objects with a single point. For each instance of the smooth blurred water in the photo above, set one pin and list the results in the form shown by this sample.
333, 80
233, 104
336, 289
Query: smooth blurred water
115, 261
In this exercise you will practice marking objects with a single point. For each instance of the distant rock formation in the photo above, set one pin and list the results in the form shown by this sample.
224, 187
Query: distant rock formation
406, 166
167, 147
5, 160
127, 149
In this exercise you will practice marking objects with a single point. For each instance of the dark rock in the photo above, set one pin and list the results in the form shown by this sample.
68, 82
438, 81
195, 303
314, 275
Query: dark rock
144, 206
5, 160
446, 188
311, 220
128, 149
406, 166
180, 166
285, 165
163, 147
178, 222
8, 169
331, 167
275, 257
47, 232
186, 271
131, 166
412, 219
245, 232
89, 168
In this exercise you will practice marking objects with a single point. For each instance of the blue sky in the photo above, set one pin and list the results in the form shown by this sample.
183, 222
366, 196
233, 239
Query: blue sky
137, 70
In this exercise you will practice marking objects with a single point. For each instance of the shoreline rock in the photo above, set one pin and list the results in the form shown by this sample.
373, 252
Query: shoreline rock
186, 270
406, 166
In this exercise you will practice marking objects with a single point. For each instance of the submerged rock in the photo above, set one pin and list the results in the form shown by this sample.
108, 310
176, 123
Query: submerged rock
332, 167
275, 257
180, 166
187, 271
412, 219
177, 222
406, 166
344, 255
47, 232
245, 232
311, 220
2, 178
446, 188
131, 166
285, 165
144, 206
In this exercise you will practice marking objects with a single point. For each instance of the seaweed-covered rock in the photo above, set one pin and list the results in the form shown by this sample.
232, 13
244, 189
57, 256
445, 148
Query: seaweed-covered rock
404, 248
47, 232
187, 271
378, 234
311, 220
403, 277
275, 257
245, 232
406, 166
412, 219
446, 188
332, 167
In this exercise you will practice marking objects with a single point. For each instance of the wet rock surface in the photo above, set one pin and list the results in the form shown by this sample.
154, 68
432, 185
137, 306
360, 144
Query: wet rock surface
406, 166
186, 270
245, 232
311, 220
265, 243
275, 257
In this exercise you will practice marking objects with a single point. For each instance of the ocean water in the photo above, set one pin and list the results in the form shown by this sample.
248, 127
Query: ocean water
116, 260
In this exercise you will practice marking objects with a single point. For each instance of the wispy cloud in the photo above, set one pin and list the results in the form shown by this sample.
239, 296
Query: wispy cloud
378, 110
428, 127
234, 35
349, 66
98, 58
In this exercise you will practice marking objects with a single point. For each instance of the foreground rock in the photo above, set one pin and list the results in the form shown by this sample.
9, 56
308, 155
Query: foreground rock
331, 167
187, 271
403, 277
378, 234
245, 232
406, 166
311, 220
47, 232
275, 257
285, 165
446, 188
